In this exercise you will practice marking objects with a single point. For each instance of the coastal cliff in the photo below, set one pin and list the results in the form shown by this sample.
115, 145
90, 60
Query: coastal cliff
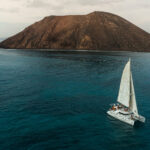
95, 31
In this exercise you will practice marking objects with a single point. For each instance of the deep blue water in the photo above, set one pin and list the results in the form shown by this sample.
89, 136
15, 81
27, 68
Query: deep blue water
58, 100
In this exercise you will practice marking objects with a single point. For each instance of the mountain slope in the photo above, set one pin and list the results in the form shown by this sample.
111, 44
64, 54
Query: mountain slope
97, 30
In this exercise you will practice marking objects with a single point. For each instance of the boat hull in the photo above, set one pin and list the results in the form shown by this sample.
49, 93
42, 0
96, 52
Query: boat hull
140, 118
124, 118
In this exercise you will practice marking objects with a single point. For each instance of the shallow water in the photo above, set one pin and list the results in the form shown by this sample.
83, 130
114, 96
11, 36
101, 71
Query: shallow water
58, 100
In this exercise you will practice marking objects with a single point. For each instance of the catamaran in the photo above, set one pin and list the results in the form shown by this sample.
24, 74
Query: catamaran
126, 109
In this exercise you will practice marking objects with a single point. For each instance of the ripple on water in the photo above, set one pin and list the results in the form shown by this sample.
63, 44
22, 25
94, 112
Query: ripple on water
56, 100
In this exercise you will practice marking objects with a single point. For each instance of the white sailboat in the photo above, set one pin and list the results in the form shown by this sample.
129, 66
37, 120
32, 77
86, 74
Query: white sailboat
126, 109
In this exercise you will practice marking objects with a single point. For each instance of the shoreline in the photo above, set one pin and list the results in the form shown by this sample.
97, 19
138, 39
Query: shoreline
68, 50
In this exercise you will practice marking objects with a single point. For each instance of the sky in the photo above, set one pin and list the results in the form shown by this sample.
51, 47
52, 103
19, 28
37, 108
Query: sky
15, 15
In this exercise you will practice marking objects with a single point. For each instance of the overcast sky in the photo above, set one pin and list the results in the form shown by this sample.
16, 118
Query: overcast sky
15, 15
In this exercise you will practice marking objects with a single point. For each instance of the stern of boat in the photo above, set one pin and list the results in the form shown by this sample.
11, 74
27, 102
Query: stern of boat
140, 118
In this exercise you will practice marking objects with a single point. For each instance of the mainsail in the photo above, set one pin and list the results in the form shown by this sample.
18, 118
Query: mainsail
124, 91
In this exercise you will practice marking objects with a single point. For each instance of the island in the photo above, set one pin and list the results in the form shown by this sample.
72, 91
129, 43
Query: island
95, 31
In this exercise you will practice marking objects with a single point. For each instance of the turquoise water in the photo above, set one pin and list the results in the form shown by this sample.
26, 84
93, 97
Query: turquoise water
58, 100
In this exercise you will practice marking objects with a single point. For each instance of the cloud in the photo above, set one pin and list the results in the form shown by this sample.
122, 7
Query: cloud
47, 4
60, 5
10, 10
37, 3
95, 2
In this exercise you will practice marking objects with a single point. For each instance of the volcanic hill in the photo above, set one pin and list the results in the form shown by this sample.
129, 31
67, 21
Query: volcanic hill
95, 31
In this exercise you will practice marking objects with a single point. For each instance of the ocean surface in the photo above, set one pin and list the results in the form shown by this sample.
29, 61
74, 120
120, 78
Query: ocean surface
58, 100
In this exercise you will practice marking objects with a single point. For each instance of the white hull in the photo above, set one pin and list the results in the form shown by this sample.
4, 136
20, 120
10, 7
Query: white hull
140, 118
124, 118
